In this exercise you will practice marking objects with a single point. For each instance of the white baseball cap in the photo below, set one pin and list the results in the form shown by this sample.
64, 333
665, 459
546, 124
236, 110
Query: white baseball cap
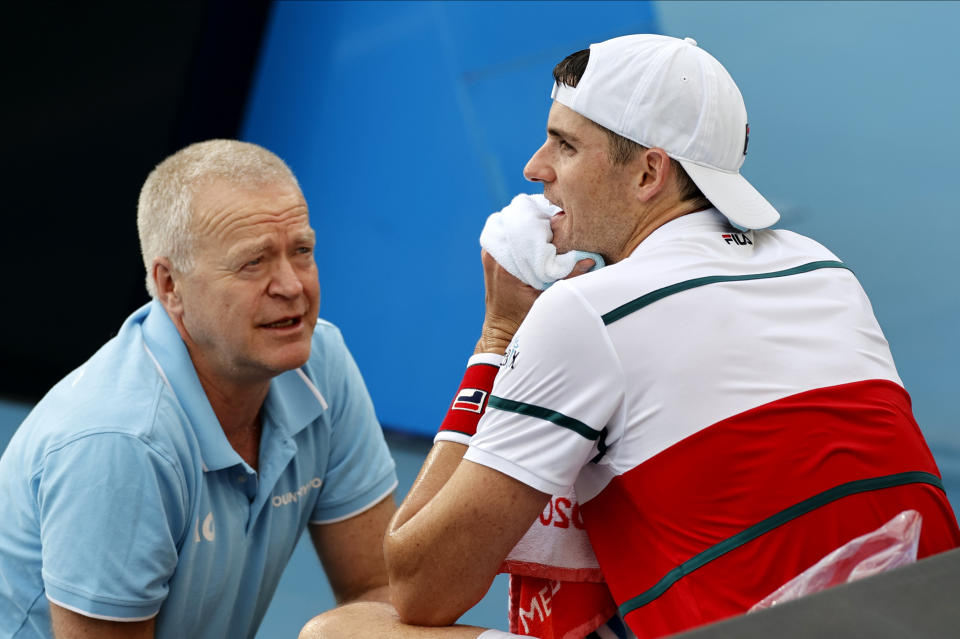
669, 93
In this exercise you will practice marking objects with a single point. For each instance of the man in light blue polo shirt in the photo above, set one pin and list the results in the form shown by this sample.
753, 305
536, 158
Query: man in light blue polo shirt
160, 488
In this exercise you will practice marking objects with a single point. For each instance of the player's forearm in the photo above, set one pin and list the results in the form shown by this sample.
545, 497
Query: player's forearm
442, 560
427, 586
442, 460
407, 552
433, 571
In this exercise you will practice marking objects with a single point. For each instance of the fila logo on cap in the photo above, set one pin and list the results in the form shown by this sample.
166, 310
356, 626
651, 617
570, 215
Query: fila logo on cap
470, 399
740, 239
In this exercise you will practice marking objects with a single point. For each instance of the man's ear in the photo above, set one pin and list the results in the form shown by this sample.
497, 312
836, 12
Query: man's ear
167, 282
654, 171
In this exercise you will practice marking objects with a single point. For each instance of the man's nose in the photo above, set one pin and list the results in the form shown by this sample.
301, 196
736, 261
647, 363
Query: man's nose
538, 169
285, 281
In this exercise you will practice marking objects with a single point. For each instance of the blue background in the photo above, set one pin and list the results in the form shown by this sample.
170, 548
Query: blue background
408, 123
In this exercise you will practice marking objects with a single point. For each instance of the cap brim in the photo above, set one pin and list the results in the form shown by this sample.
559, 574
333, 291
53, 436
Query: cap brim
733, 196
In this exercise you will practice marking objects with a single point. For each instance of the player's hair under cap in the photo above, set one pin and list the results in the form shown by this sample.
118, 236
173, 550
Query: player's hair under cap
669, 93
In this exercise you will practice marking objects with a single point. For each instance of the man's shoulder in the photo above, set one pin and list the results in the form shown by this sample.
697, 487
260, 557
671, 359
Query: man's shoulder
118, 392
328, 347
326, 331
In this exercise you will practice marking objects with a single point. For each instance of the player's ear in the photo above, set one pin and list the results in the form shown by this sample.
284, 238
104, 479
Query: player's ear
653, 173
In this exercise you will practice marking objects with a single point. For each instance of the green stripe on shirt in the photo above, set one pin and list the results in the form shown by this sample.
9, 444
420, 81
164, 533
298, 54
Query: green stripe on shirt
645, 300
768, 524
543, 413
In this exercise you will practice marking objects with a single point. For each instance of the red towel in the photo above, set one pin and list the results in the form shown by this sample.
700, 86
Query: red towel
556, 587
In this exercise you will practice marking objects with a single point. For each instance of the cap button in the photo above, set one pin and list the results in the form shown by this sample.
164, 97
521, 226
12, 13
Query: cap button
690, 41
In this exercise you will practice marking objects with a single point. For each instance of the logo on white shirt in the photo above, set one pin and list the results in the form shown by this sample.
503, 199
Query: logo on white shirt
510, 357
740, 239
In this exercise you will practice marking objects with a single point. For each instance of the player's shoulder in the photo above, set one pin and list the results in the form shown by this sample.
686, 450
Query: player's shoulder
797, 243
689, 250
593, 293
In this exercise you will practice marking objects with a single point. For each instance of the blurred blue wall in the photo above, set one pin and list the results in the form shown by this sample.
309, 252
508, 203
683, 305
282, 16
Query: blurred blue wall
407, 124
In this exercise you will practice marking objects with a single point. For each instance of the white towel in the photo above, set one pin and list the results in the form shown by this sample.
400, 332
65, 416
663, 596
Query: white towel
556, 546
553, 566
518, 237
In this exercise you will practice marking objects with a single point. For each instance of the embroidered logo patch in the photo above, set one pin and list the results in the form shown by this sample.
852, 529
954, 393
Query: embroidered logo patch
470, 399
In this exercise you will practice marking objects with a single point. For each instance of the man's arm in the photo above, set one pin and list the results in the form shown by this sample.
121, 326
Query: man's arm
352, 553
71, 625
442, 559
359, 582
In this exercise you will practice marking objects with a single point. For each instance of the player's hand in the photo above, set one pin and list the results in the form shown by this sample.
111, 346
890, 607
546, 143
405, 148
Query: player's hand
508, 300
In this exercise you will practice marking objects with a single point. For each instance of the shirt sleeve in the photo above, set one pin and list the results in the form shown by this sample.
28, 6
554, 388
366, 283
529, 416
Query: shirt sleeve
360, 470
111, 512
559, 384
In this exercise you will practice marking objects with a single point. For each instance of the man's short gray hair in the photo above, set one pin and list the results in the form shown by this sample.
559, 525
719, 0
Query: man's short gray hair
165, 207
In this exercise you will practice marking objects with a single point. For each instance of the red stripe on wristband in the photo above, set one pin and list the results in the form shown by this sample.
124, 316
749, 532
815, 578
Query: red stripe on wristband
470, 402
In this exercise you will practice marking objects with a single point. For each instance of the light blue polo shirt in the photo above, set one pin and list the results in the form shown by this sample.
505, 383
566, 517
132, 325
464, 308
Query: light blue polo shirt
122, 498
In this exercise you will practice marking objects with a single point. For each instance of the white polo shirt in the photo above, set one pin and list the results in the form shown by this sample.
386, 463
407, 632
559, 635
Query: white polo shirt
728, 410
123, 499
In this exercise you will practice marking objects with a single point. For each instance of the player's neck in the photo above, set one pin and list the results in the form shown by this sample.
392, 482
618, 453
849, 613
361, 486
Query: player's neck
656, 215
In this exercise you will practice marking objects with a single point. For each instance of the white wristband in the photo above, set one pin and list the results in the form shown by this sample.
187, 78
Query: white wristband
452, 436
485, 358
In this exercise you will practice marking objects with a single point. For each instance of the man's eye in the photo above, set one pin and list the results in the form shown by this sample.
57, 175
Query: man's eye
303, 250
564, 146
253, 262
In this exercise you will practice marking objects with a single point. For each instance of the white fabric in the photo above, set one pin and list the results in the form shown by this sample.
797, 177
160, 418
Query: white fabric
518, 237
498, 634
659, 375
669, 93
485, 358
556, 546
452, 436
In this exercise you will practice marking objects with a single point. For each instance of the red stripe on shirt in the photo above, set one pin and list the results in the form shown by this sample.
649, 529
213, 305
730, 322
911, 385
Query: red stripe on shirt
736, 473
